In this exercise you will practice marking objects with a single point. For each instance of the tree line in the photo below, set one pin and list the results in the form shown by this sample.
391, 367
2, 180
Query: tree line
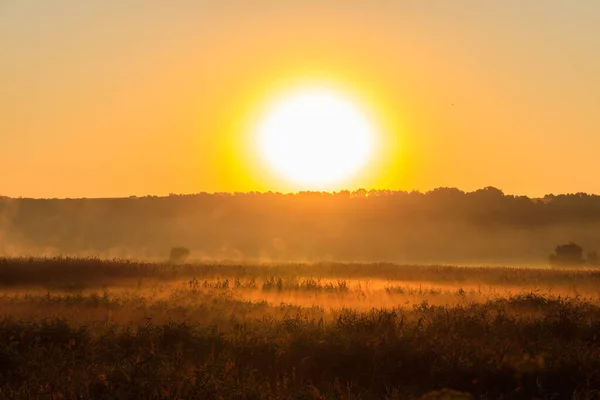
442, 225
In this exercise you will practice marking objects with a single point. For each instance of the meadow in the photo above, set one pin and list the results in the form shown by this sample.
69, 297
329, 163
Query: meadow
74, 328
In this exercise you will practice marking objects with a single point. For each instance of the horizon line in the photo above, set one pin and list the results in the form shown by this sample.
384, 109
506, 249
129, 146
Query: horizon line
299, 192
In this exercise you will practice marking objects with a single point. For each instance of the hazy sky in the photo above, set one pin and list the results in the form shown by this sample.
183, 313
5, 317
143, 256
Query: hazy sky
115, 98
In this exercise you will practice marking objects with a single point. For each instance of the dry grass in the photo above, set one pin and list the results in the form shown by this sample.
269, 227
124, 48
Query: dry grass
92, 329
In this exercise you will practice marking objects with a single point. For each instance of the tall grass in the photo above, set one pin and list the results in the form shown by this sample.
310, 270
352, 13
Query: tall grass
200, 334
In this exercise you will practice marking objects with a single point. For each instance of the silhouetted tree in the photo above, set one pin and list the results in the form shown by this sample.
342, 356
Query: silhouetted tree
569, 254
360, 193
178, 255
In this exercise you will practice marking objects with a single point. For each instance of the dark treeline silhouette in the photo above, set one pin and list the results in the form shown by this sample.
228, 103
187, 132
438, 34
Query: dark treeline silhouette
443, 225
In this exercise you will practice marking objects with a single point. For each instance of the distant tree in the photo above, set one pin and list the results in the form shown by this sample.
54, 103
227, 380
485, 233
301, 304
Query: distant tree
446, 192
359, 193
489, 192
178, 255
569, 254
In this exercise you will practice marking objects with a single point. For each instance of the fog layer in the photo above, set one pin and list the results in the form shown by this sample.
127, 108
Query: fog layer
441, 226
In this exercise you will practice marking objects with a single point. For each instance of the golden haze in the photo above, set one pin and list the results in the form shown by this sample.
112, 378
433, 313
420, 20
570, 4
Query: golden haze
468, 96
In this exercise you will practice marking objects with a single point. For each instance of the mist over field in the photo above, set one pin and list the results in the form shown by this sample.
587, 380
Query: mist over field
444, 225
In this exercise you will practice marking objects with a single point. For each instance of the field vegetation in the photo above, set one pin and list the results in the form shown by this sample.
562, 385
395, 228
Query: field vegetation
117, 329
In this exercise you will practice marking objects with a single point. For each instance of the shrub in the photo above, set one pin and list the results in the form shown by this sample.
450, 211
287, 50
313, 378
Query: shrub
179, 255
569, 254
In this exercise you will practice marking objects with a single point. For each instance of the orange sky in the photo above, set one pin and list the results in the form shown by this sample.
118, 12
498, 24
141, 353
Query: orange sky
102, 99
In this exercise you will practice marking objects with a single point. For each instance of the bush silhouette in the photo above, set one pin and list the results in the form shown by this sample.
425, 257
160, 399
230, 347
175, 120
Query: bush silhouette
569, 254
179, 255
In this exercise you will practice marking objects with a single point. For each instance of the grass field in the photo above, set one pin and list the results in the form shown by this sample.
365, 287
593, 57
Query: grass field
94, 329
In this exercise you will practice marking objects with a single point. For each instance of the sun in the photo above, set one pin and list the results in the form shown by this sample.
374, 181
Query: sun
316, 137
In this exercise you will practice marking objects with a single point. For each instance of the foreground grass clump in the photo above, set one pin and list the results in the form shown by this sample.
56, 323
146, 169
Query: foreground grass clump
229, 336
485, 349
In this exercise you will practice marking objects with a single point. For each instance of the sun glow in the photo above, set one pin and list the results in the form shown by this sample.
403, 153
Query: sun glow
316, 138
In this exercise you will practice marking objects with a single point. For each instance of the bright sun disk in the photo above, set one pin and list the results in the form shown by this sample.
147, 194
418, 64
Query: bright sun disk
316, 138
